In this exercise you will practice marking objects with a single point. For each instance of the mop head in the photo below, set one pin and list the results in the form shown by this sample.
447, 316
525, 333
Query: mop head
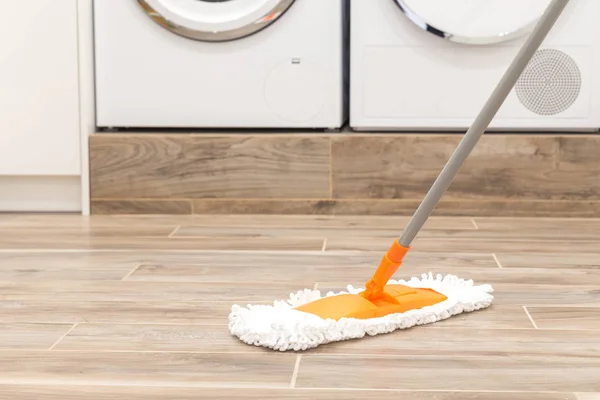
280, 327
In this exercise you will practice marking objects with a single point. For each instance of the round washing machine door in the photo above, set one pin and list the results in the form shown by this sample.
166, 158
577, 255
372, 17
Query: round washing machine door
474, 22
215, 20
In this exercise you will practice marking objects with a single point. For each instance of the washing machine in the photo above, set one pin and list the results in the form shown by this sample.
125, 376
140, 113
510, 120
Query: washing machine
430, 65
220, 63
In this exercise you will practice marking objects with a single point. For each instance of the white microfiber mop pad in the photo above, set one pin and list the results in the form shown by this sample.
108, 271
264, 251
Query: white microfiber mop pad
280, 327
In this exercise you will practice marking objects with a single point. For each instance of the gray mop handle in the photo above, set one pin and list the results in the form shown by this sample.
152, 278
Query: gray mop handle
482, 121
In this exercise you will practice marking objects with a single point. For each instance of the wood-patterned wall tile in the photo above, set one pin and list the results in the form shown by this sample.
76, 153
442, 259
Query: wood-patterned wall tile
264, 206
162, 166
404, 167
402, 207
144, 207
578, 166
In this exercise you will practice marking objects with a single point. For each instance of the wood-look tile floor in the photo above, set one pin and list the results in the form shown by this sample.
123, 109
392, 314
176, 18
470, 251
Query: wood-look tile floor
135, 307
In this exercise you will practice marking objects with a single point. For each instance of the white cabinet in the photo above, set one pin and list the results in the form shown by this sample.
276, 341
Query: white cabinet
40, 135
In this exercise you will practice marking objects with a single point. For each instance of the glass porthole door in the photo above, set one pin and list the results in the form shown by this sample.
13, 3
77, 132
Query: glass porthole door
215, 20
474, 22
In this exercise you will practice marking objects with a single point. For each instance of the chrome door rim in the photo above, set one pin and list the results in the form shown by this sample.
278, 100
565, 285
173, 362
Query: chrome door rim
259, 24
470, 40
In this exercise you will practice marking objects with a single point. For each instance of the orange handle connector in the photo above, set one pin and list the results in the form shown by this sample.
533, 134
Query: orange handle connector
388, 266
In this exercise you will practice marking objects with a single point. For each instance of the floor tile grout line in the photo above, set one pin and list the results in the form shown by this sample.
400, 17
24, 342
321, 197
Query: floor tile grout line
131, 272
474, 223
530, 317
296, 370
496, 260
324, 247
299, 356
330, 169
63, 336
174, 231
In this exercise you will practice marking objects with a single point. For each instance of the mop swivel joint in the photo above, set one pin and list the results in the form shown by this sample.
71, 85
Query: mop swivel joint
391, 261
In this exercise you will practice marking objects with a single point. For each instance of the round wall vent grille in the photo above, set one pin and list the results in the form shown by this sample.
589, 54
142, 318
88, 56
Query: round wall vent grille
550, 84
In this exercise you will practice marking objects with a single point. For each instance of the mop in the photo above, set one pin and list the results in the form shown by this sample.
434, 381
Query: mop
307, 319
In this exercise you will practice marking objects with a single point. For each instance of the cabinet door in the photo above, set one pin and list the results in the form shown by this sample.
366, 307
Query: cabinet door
39, 99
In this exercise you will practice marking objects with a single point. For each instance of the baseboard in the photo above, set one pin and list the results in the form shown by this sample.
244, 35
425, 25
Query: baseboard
40, 194
347, 173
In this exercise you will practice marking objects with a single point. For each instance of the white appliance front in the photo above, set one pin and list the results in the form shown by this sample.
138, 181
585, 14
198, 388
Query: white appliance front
431, 65
220, 63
